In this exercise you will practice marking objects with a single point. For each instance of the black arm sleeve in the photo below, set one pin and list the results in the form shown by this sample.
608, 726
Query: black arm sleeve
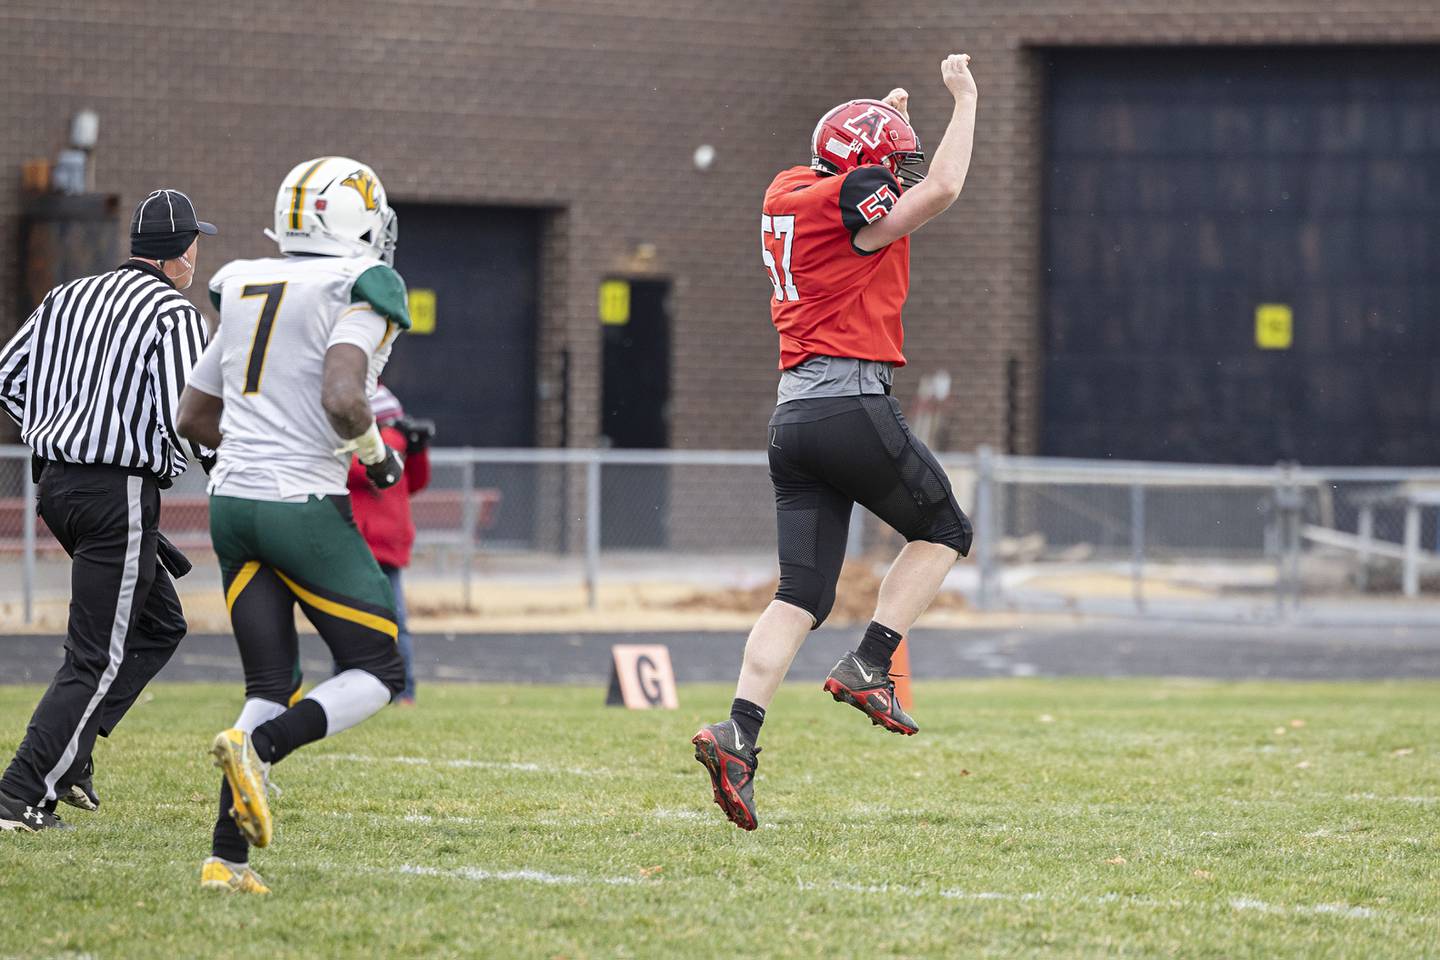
867, 194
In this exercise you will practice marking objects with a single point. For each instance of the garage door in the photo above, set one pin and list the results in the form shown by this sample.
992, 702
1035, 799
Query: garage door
1241, 253
470, 362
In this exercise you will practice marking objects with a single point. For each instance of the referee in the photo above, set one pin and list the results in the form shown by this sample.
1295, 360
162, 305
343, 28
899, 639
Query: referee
94, 379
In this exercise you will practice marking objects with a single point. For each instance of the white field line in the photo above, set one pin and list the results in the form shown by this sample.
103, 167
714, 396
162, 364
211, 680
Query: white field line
663, 816
1344, 910
467, 873
693, 816
417, 818
525, 875
485, 875
1391, 798
459, 764
482, 875
894, 888
429, 820
1338, 909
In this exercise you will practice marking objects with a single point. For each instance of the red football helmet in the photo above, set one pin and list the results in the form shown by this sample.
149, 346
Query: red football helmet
862, 132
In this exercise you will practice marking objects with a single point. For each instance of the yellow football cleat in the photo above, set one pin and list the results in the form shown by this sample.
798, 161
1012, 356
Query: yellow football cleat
247, 777
217, 874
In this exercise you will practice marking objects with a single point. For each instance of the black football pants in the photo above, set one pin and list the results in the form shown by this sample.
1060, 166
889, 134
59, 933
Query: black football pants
828, 454
125, 621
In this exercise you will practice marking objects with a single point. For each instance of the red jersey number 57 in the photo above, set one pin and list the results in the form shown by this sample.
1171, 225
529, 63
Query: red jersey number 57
876, 205
777, 236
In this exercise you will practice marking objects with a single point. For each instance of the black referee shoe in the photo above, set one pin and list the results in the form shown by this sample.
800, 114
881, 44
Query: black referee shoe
82, 793
18, 815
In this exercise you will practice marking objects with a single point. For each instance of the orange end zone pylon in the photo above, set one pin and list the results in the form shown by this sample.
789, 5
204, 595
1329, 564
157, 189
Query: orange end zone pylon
900, 670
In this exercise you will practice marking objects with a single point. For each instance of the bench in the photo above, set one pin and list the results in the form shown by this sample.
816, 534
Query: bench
439, 518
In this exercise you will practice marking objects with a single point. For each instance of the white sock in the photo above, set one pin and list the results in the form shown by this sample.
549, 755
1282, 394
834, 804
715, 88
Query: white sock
256, 712
349, 697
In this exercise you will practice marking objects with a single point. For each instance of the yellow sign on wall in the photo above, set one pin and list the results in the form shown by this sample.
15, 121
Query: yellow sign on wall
422, 311
615, 302
1274, 326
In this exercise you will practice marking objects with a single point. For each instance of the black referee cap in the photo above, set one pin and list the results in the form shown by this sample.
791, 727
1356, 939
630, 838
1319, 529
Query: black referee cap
164, 224
167, 211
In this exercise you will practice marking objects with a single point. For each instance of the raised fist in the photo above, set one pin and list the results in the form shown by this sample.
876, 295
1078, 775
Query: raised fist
955, 71
899, 98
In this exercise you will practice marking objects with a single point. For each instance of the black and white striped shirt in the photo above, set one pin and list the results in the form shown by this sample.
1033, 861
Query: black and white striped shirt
95, 374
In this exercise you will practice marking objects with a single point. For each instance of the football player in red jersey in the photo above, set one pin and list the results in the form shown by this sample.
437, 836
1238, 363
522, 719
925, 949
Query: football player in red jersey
835, 238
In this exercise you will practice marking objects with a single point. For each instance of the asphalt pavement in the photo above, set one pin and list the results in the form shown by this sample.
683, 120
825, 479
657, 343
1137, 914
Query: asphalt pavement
1089, 648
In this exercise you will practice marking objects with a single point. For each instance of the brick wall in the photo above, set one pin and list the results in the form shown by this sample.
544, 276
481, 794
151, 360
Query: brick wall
593, 108
975, 294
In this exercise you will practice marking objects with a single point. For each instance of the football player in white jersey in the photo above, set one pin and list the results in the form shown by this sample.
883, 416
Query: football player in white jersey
282, 394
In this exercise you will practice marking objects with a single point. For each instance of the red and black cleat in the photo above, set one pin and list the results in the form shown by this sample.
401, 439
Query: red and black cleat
732, 764
870, 690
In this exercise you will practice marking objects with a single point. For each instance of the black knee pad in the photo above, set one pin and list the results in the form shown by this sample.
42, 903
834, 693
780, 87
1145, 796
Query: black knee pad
950, 527
812, 530
808, 590
823, 608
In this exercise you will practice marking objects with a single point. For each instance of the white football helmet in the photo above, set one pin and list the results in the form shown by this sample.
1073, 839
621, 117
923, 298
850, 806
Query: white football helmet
334, 206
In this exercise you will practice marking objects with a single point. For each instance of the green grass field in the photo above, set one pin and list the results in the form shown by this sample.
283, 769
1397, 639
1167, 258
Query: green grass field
1030, 817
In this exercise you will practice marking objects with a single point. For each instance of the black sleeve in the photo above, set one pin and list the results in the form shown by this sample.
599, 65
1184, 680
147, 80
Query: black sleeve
868, 193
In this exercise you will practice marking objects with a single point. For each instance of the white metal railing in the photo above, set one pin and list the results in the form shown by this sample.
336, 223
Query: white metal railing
593, 461
1129, 503
998, 473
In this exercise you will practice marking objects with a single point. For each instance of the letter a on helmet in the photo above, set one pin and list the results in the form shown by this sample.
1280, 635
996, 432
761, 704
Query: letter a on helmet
862, 132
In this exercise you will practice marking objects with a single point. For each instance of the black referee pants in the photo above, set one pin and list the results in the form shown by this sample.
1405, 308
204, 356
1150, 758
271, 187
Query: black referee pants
125, 621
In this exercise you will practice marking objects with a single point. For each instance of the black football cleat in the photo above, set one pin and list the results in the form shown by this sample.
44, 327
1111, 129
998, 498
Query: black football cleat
82, 793
732, 764
870, 690
19, 815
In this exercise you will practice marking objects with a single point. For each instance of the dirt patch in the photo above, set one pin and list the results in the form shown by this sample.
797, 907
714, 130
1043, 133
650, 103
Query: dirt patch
854, 596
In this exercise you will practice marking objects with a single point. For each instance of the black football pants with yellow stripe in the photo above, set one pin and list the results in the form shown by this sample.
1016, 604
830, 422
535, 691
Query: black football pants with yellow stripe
274, 555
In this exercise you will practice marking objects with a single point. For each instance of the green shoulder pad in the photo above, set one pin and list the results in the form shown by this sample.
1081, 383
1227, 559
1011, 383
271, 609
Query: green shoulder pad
382, 288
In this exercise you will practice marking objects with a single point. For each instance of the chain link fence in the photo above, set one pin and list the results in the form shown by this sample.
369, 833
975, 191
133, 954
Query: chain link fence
1060, 535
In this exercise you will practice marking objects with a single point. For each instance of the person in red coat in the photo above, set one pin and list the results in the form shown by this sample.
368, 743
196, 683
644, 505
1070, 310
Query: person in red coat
383, 516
